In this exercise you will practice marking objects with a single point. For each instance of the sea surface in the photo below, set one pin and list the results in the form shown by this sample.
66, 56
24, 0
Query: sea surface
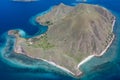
21, 16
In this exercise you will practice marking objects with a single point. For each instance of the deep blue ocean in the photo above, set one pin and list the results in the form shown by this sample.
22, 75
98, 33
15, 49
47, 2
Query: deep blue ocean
20, 15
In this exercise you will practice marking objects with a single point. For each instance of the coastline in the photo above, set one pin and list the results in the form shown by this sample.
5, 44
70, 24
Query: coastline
102, 53
113, 23
54, 64
33, 18
50, 62
95, 55
83, 61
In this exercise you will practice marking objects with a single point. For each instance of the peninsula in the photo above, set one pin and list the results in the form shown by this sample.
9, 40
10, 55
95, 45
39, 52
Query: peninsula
74, 33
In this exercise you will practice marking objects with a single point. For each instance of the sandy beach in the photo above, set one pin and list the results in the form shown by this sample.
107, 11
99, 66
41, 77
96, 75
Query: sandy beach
85, 60
54, 64
102, 53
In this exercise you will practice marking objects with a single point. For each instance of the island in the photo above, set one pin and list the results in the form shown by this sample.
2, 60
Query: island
75, 34
81, 0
